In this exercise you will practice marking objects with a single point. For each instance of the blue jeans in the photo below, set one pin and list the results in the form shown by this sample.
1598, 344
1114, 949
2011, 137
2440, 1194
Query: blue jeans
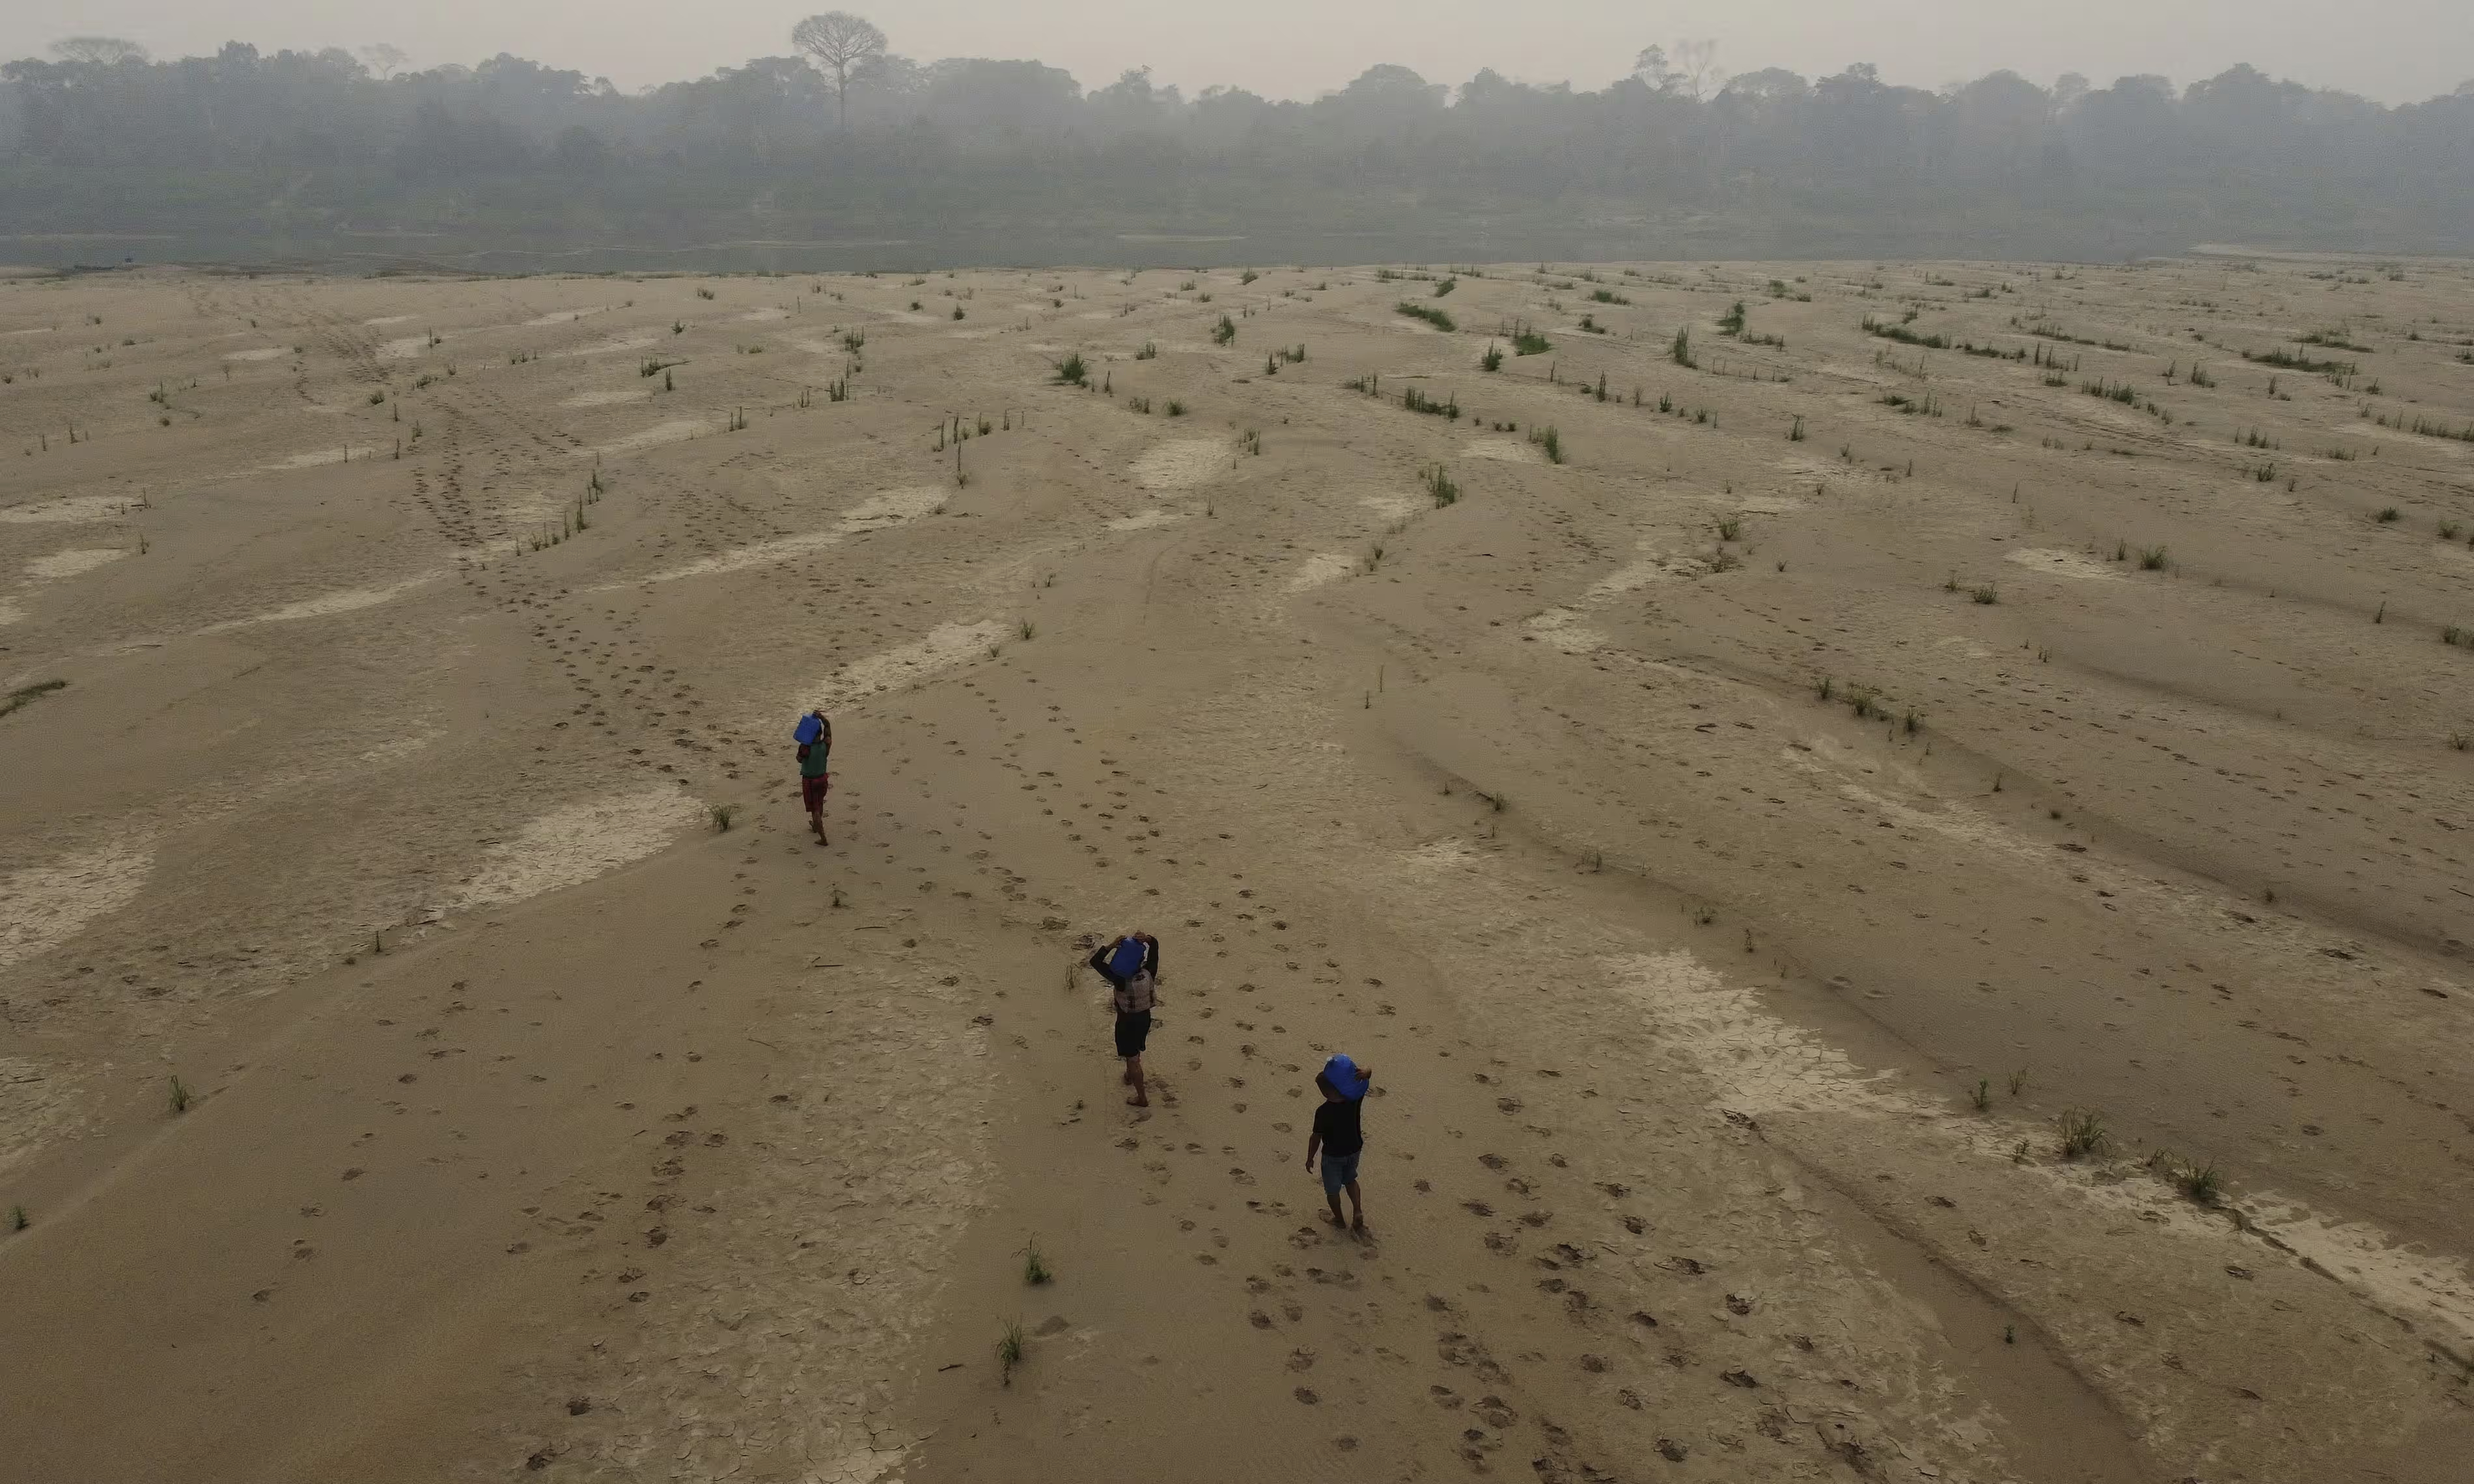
1340, 1170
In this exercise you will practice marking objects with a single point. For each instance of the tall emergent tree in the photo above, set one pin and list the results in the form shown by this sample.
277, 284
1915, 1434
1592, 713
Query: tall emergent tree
839, 41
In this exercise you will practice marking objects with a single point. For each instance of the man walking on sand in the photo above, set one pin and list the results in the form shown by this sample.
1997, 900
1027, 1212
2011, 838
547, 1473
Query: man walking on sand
1337, 1134
815, 738
1131, 964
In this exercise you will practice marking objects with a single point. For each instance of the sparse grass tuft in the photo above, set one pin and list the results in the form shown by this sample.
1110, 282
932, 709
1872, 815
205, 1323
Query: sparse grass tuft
1428, 313
722, 814
2083, 1134
1176, 407
18, 1220
2388, 516
1026, 629
1550, 441
1982, 1096
1034, 1269
1680, 349
1224, 332
1491, 360
1008, 1350
1071, 372
1987, 595
179, 1095
1441, 485
2152, 558
2201, 1183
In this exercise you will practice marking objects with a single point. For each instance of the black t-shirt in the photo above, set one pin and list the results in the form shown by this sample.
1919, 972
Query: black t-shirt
1336, 1125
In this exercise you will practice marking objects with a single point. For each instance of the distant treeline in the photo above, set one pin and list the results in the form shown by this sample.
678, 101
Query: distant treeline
513, 164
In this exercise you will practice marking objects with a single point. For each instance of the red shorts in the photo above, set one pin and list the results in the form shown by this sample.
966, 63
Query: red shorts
813, 791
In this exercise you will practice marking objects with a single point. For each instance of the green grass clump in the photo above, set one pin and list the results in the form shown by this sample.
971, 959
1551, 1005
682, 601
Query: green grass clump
1224, 331
1009, 1347
2083, 1134
1551, 442
2152, 558
722, 814
1679, 351
1441, 485
179, 1097
1176, 407
2201, 1183
1071, 372
1428, 313
1419, 401
1492, 360
1035, 1268
1733, 322
1607, 297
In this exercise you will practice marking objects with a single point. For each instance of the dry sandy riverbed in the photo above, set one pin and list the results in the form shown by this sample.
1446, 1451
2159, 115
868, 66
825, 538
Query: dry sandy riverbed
1741, 847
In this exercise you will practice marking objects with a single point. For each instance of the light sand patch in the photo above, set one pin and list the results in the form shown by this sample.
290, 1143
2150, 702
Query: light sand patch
1822, 471
674, 431
312, 460
814, 346
559, 317
70, 563
1323, 566
262, 353
404, 350
71, 510
10, 613
977, 334
1633, 576
1393, 507
1144, 520
1768, 504
763, 316
1505, 449
45, 905
945, 647
610, 347
1759, 1064
40, 330
609, 398
905, 316
739, 558
2064, 563
326, 604
388, 319
892, 508
576, 843
1562, 628
1181, 465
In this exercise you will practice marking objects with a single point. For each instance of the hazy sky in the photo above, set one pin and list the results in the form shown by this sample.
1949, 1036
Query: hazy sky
2394, 50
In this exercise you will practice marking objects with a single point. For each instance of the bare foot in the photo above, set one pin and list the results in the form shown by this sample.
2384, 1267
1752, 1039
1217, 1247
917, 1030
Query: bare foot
1334, 1219
1358, 1225
1138, 1101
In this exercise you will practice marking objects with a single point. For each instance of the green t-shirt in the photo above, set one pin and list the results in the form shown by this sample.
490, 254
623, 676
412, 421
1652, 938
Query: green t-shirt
812, 766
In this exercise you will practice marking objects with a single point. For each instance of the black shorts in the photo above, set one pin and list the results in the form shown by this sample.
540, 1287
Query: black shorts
1132, 1031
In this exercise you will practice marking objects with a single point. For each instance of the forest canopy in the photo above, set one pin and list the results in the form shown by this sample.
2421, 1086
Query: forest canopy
882, 160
